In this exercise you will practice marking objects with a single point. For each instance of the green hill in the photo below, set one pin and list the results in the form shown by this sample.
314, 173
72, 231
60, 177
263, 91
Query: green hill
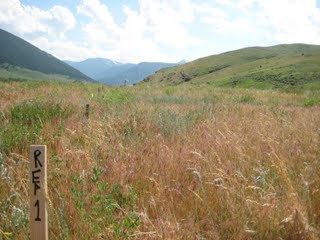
292, 65
17, 52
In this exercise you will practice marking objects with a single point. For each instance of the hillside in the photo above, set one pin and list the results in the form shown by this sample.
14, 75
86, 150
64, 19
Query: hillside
92, 67
254, 67
11, 72
17, 52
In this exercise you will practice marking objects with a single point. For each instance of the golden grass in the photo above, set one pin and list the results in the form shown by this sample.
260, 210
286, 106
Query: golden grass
201, 168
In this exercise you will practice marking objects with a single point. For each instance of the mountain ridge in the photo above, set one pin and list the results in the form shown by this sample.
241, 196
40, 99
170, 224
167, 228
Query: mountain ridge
112, 72
135, 73
92, 67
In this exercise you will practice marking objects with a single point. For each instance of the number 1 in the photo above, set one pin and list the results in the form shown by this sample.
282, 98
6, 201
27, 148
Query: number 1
38, 211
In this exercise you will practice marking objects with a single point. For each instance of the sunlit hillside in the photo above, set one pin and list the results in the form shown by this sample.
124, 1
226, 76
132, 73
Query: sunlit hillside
280, 66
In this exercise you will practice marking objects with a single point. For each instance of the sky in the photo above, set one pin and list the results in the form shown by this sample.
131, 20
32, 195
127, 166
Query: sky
158, 30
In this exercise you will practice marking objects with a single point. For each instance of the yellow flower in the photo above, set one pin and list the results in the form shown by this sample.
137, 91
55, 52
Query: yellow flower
7, 233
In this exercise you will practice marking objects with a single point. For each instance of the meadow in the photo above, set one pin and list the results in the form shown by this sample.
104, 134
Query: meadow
187, 162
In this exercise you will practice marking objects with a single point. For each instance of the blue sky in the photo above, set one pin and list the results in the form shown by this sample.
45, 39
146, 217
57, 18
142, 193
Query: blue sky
158, 30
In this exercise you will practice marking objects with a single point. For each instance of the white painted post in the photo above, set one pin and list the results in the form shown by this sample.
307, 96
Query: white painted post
38, 192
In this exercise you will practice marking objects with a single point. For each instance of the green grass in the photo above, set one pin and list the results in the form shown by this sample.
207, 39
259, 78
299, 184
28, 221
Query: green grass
311, 99
117, 96
23, 123
244, 99
172, 99
114, 208
170, 90
252, 83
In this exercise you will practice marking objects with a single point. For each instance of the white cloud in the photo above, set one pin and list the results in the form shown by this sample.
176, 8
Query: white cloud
278, 21
62, 48
62, 19
155, 24
27, 19
167, 20
161, 30
102, 27
292, 21
44, 28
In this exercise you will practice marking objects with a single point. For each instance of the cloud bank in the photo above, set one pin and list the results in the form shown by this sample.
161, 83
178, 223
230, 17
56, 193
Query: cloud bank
161, 30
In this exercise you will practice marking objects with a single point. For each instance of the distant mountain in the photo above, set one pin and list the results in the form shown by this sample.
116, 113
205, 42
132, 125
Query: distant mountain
18, 52
131, 73
93, 67
183, 61
116, 73
280, 66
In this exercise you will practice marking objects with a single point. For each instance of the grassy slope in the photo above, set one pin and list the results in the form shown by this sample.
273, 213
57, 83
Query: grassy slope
257, 67
18, 52
162, 163
12, 72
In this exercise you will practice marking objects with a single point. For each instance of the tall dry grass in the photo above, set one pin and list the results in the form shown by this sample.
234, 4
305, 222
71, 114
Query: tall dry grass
169, 164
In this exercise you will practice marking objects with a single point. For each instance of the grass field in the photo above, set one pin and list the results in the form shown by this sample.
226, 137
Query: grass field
163, 163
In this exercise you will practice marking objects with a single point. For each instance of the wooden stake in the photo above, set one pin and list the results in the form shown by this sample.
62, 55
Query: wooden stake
38, 192
87, 111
